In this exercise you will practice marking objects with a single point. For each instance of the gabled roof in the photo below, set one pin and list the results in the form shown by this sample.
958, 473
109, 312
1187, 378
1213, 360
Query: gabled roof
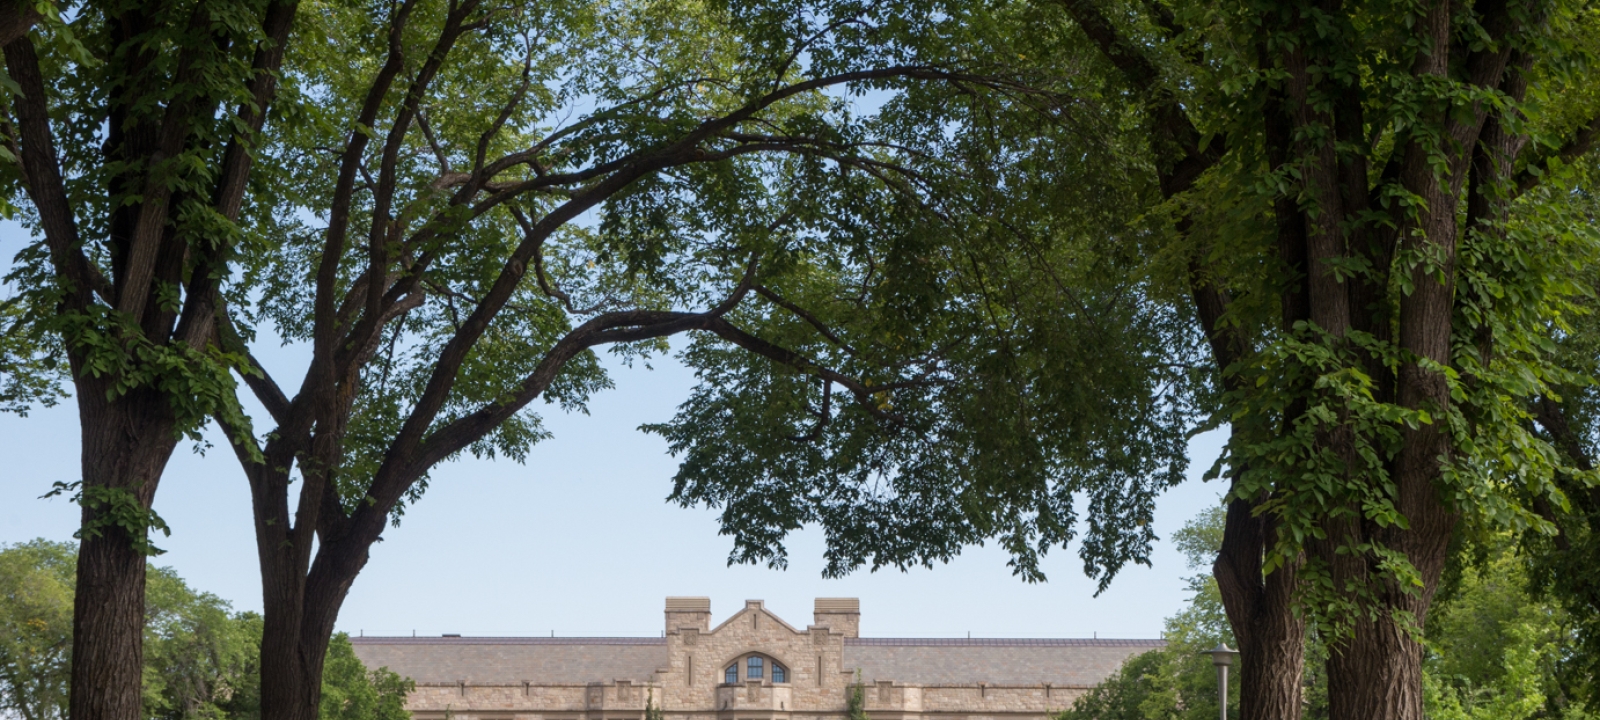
754, 606
1059, 662
512, 661
917, 661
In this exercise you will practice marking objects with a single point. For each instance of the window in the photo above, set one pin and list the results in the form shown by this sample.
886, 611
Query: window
753, 668
779, 675
733, 674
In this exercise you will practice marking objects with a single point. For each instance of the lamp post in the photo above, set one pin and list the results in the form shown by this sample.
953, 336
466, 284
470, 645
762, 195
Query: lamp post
1222, 657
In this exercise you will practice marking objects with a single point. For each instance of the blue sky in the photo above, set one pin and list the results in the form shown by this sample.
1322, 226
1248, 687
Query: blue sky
579, 541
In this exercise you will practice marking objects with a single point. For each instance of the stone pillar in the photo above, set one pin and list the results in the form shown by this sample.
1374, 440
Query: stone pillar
842, 615
688, 612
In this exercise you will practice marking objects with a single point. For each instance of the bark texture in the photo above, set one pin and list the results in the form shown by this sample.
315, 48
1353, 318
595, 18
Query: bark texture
1260, 606
129, 423
16, 18
1271, 637
1314, 134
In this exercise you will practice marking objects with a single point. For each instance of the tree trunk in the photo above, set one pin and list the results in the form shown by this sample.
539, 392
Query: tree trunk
108, 630
1376, 674
291, 666
126, 445
302, 596
1270, 634
16, 18
296, 632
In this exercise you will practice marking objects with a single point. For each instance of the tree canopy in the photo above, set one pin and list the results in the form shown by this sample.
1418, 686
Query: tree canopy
956, 272
451, 205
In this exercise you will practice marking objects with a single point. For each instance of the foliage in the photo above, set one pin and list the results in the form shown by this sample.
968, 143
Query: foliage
1496, 650
1175, 682
1060, 388
30, 367
36, 580
1561, 566
201, 658
352, 692
652, 711
856, 699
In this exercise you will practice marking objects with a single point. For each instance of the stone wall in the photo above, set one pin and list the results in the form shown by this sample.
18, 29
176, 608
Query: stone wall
690, 684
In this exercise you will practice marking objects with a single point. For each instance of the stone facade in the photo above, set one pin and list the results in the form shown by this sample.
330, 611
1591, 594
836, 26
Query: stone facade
778, 671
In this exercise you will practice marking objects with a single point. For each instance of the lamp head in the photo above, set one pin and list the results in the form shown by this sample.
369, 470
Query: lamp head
1221, 655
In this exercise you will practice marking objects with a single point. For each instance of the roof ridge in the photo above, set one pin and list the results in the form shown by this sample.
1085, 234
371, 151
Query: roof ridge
1008, 642
493, 640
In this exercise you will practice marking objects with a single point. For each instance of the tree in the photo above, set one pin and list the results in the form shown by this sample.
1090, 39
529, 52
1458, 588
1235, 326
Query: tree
1400, 361
35, 629
1495, 649
1174, 682
202, 660
856, 700
1368, 212
1559, 563
200, 657
352, 692
652, 711
449, 204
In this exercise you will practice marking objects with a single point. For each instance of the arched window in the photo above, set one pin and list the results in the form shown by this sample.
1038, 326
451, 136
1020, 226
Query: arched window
756, 668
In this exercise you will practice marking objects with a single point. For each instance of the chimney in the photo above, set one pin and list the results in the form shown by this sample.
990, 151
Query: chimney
688, 612
842, 615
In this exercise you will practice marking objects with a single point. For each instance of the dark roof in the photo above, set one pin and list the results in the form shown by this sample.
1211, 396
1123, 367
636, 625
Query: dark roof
1005, 642
458, 640
504, 660
1062, 662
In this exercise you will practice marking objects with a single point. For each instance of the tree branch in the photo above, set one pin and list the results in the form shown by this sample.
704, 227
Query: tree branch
344, 191
800, 312
261, 384
382, 225
46, 187
1577, 146
1189, 161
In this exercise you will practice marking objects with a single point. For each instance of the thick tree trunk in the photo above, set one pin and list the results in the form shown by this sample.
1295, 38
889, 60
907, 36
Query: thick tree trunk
108, 625
1260, 606
126, 445
16, 18
291, 665
1376, 674
302, 596
297, 630
1270, 634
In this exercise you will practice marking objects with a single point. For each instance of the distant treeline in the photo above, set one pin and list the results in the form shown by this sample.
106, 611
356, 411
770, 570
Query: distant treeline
201, 659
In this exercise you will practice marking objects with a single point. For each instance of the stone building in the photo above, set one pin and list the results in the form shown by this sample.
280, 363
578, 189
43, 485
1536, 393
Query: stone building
753, 666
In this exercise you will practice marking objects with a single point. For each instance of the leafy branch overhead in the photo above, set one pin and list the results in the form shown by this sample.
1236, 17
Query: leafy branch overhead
450, 205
